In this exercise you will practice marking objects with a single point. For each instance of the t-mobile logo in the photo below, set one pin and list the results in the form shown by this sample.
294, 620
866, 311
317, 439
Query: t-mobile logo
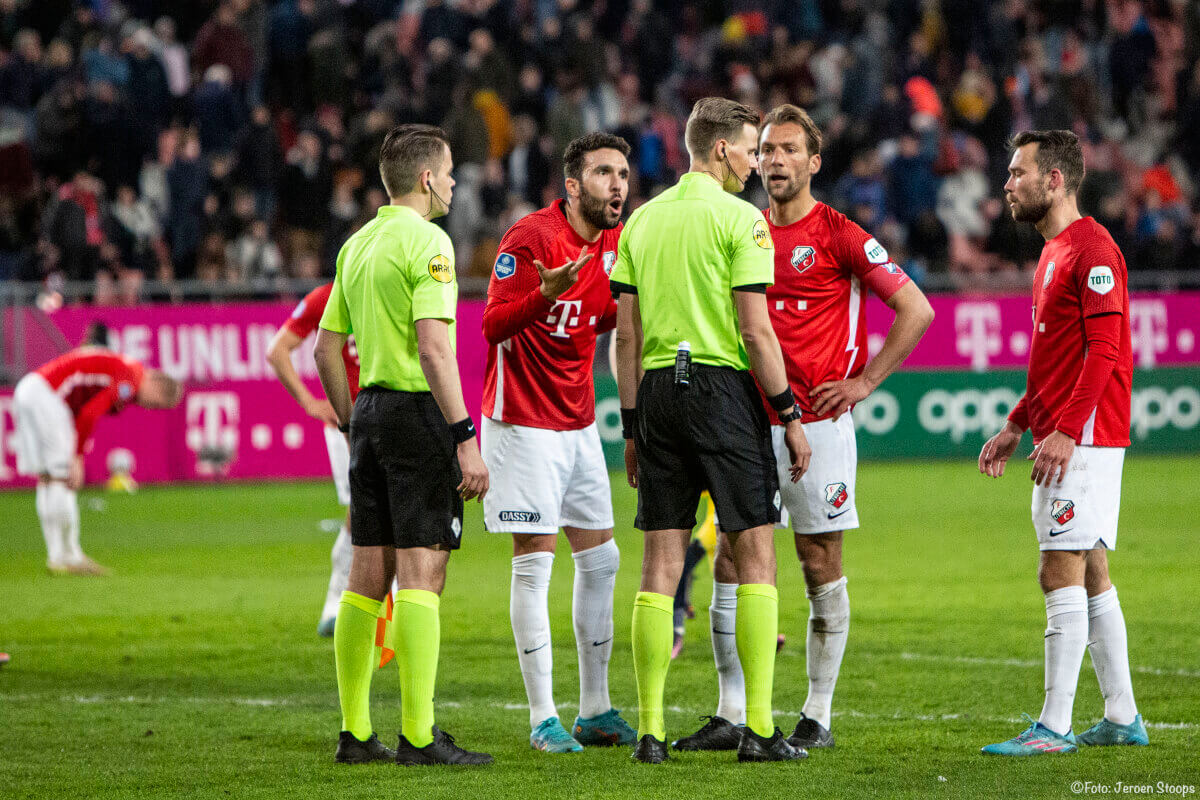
1148, 328
977, 332
568, 317
212, 429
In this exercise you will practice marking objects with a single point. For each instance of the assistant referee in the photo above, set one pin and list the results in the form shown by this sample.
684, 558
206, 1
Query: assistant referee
692, 269
414, 456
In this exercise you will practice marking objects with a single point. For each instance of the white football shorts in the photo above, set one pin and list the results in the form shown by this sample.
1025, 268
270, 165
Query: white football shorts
542, 480
45, 438
339, 463
1081, 512
823, 499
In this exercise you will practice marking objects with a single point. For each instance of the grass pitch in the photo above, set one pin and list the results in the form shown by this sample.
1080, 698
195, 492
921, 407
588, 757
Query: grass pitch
195, 670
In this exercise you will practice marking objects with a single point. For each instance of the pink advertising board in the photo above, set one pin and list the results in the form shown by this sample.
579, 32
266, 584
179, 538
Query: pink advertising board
237, 422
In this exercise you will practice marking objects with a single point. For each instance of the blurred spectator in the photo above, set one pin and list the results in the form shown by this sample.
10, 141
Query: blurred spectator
304, 196
254, 254
217, 110
222, 42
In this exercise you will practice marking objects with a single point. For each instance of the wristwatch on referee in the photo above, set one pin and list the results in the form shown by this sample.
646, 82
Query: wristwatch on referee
344, 428
790, 415
784, 404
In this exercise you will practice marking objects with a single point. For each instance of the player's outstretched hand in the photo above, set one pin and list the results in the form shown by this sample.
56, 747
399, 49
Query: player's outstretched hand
475, 473
998, 449
798, 448
558, 280
631, 467
1051, 456
322, 410
838, 396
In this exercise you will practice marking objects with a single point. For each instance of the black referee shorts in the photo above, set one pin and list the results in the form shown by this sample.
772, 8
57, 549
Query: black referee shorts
404, 472
712, 434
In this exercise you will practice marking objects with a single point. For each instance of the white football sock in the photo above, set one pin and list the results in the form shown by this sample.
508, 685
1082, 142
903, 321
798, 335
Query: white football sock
1110, 656
1066, 639
722, 615
74, 552
341, 555
51, 518
592, 613
531, 630
828, 630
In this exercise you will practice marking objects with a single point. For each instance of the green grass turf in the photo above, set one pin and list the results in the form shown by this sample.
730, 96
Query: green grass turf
195, 670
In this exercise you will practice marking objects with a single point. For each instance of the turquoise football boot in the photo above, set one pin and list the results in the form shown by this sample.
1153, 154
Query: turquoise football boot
1036, 740
1105, 733
606, 730
551, 737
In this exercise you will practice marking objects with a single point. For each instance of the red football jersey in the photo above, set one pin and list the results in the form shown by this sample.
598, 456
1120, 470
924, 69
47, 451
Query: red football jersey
1081, 274
93, 381
824, 265
307, 317
539, 368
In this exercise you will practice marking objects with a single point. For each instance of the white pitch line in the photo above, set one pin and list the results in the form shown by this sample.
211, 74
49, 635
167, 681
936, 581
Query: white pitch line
1018, 662
896, 716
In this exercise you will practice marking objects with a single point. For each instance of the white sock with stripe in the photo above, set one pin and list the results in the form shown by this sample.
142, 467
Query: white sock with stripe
828, 630
1066, 639
52, 518
722, 615
1108, 645
531, 630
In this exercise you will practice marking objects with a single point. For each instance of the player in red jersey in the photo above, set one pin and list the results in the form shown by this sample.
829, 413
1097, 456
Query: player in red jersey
824, 266
299, 326
547, 301
1077, 403
57, 407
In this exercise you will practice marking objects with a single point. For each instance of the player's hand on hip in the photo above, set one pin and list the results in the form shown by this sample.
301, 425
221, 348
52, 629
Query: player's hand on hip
1052, 456
998, 449
322, 410
631, 464
557, 281
838, 396
475, 473
798, 448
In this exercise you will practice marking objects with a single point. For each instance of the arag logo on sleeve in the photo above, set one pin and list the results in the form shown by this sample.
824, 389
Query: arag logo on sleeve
762, 237
440, 269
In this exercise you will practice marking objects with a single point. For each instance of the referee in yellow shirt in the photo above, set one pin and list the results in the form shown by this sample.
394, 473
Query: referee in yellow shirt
414, 456
692, 270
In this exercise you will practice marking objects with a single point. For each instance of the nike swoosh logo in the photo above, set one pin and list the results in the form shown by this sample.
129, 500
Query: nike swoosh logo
1064, 530
606, 641
534, 650
838, 514
723, 633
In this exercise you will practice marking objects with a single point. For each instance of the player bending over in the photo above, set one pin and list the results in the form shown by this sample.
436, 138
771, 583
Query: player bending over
1077, 403
303, 323
548, 298
56, 408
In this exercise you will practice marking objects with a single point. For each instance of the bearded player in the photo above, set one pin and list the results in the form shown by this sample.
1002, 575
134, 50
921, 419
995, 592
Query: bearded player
1077, 403
299, 326
824, 266
57, 407
547, 300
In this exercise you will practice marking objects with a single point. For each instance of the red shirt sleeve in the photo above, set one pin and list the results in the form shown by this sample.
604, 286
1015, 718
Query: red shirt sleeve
514, 297
1019, 415
100, 403
1101, 279
307, 314
1103, 334
869, 261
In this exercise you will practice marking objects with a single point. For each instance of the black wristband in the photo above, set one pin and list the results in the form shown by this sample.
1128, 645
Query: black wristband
790, 415
463, 430
783, 401
628, 422
344, 428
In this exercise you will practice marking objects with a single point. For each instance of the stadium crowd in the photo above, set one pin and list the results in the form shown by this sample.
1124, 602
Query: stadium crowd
230, 140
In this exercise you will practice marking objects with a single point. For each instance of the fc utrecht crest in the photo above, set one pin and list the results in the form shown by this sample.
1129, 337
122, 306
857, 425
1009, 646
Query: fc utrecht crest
803, 257
610, 261
836, 494
1062, 511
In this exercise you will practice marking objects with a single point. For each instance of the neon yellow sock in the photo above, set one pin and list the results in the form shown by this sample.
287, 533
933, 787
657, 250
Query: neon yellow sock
651, 658
353, 652
418, 637
757, 631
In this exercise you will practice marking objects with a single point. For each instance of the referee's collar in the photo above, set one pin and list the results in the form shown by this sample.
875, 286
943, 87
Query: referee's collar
392, 210
690, 176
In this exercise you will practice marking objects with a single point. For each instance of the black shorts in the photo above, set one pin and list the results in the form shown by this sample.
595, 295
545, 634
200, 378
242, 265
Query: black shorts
712, 434
404, 472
